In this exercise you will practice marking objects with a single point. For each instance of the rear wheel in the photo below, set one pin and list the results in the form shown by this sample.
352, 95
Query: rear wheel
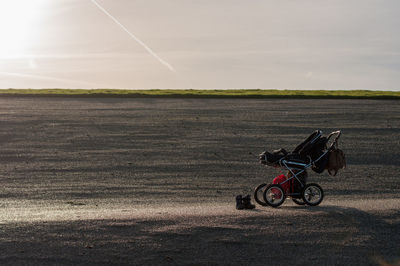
274, 195
312, 194
258, 194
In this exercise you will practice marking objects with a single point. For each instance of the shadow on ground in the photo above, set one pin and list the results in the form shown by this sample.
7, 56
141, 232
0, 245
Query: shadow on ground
319, 235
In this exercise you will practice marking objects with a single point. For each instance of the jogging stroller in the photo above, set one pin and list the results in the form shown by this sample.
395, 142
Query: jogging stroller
312, 153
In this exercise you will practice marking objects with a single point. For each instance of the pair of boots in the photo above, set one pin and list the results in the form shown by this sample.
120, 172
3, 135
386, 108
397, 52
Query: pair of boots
244, 203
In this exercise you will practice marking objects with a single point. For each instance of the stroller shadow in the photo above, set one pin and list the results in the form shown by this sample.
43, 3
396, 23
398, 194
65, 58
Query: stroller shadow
375, 229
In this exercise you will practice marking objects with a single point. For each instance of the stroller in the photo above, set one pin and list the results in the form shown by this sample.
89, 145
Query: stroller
312, 153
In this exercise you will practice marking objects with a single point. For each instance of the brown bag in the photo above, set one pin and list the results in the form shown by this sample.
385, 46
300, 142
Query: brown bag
336, 161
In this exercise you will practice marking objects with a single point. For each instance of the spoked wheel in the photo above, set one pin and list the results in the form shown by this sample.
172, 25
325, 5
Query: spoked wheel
274, 195
312, 194
258, 194
298, 201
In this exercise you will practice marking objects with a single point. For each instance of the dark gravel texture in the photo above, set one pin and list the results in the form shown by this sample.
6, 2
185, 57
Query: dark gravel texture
63, 159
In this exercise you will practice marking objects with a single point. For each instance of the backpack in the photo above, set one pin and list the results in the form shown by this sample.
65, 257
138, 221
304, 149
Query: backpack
336, 161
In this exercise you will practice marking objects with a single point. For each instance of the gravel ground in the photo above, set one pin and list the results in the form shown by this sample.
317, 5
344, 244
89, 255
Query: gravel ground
152, 181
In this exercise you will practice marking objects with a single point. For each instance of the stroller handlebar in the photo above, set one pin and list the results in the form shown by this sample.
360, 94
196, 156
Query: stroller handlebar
337, 133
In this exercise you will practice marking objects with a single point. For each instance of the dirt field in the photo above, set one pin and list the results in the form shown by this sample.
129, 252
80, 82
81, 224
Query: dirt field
99, 181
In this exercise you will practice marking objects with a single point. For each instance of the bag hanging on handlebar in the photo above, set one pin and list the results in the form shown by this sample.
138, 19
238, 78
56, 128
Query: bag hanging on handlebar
336, 161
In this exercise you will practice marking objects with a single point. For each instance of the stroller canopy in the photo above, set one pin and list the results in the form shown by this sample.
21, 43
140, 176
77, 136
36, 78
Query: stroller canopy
309, 141
312, 147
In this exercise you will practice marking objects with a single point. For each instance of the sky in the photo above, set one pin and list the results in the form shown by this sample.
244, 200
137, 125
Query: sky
200, 44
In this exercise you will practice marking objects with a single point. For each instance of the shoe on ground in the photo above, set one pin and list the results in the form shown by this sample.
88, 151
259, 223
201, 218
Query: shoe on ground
239, 202
247, 203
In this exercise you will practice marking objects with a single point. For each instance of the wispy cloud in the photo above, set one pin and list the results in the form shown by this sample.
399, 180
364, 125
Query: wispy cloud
69, 56
41, 77
309, 75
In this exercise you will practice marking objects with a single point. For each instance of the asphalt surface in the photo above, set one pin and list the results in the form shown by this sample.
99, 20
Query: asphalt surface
152, 181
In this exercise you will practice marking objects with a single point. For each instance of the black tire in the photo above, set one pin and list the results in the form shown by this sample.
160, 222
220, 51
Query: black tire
299, 201
258, 194
274, 195
312, 194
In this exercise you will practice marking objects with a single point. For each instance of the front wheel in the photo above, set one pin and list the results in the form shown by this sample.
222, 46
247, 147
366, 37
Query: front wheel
258, 194
312, 194
274, 195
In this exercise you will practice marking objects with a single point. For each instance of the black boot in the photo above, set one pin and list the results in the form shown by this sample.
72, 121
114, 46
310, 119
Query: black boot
247, 203
239, 202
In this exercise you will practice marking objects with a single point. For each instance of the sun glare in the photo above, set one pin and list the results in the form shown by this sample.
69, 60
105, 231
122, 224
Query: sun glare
17, 25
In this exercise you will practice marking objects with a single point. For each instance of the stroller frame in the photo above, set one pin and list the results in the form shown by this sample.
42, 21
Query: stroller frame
296, 167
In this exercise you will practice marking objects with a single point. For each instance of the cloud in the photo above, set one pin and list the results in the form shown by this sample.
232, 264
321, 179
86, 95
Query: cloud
32, 64
48, 78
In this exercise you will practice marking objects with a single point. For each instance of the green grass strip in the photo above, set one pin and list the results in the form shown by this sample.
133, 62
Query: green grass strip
189, 93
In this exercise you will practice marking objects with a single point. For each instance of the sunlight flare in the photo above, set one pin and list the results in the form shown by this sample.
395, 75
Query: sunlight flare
17, 19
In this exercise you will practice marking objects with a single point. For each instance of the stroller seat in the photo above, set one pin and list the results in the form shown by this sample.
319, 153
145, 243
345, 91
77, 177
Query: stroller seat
274, 158
308, 151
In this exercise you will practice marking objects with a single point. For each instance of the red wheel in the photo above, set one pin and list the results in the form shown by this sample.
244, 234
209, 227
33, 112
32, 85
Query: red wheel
274, 195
